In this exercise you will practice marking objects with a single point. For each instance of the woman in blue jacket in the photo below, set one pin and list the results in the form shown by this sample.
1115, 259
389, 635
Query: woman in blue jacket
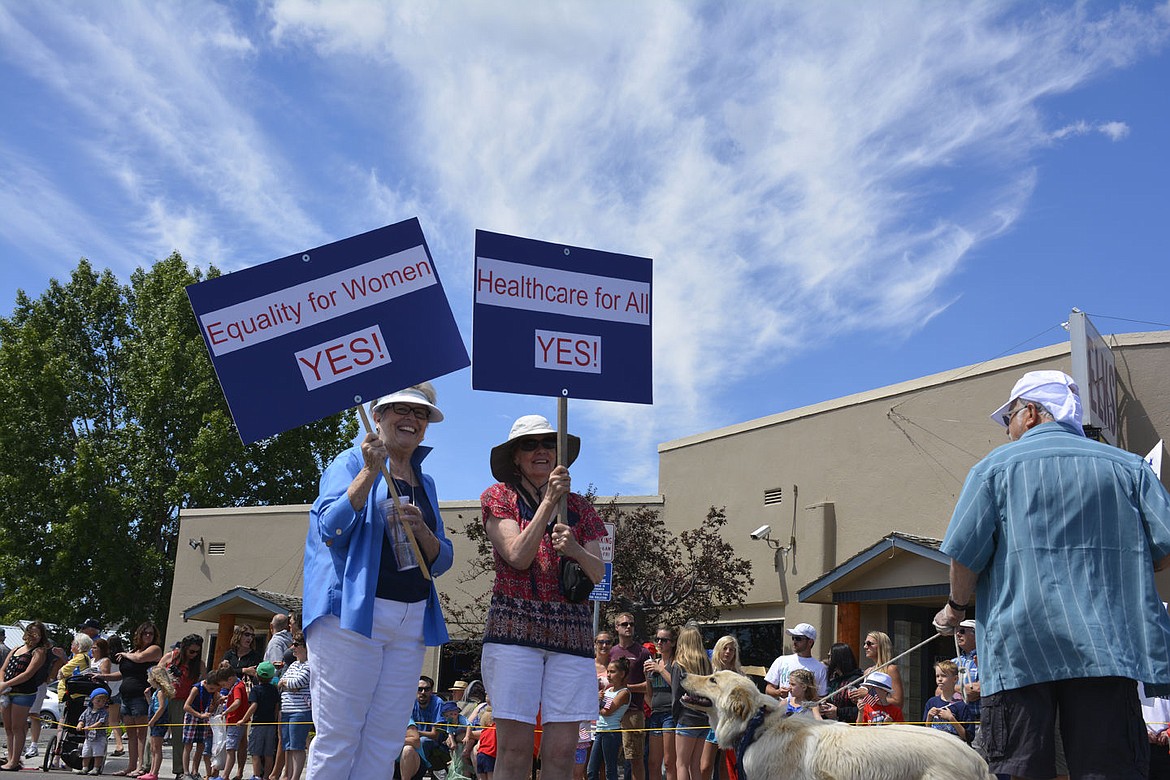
368, 610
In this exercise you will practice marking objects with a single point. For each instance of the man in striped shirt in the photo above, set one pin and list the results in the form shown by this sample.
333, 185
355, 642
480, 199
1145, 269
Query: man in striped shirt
1057, 537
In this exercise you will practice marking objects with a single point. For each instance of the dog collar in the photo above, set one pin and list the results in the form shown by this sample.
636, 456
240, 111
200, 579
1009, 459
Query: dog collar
746, 739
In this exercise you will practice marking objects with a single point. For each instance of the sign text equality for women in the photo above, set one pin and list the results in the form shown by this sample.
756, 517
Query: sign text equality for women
312, 334
557, 320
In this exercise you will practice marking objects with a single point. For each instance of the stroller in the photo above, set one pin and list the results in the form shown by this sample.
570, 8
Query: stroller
66, 744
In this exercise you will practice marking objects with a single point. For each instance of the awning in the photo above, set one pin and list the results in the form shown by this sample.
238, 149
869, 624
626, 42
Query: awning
900, 567
247, 604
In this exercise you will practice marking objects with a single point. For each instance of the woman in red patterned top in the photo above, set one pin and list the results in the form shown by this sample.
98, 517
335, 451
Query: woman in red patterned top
537, 651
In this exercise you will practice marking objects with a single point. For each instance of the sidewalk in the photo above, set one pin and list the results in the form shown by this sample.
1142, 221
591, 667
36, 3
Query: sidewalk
113, 763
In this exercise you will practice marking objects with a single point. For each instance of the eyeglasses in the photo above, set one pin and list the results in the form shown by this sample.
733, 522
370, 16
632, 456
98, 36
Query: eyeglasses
419, 412
623, 625
531, 445
1007, 418
603, 642
659, 639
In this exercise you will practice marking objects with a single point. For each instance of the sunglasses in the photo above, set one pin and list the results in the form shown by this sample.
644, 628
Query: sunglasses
532, 445
603, 642
964, 631
658, 639
422, 688
621, 625
800, 639
868, 643
1007, 418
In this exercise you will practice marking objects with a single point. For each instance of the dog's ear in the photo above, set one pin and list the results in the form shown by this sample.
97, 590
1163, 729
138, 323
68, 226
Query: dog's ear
740, 703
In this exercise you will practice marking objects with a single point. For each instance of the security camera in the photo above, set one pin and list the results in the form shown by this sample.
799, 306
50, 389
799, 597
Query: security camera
761, 532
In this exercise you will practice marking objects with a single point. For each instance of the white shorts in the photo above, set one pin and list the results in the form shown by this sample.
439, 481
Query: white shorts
93, 748
521, 680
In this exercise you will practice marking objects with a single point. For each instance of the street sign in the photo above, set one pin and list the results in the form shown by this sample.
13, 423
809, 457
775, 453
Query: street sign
603, 591
1095, 373
303, 337
561, 321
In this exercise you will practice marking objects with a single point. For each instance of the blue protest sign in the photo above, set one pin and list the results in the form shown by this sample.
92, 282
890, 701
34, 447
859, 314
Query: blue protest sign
558, 320
303, 337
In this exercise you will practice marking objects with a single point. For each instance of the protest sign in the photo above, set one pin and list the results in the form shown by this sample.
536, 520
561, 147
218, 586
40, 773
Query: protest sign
299, 338
561, 321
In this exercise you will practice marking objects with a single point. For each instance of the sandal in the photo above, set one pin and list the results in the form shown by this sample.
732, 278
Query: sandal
120, 773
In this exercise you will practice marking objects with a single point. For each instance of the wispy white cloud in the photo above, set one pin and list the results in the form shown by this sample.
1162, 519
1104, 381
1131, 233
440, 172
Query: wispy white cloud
159, 95
783, 164
1114, 131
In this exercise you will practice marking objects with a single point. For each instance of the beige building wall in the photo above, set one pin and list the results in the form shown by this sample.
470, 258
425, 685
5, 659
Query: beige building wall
853, 469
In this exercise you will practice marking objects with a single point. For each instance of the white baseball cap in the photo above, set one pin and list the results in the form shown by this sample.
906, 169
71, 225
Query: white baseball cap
803, 629
1054, 390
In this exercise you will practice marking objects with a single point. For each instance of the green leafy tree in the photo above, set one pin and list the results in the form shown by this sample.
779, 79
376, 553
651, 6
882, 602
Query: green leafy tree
658, 576
111, 422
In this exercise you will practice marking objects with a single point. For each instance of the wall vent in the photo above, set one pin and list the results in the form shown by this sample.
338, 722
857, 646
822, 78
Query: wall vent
773, 496
217, 548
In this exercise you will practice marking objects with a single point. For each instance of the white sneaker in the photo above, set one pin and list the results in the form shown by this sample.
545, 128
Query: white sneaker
31, 751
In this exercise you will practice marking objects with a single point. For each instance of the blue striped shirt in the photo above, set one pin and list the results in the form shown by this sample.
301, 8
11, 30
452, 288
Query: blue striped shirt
1063, 533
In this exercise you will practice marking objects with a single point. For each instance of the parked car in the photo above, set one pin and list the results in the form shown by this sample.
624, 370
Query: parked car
50, 709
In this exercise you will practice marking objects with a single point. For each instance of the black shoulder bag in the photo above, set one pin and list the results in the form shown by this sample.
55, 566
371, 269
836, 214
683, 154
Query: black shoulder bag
575, 583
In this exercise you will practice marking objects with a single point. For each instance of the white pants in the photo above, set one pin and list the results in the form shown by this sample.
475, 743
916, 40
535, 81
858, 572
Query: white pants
363, 691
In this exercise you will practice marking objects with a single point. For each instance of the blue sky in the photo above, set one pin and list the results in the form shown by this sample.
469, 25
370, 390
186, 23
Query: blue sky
837, 196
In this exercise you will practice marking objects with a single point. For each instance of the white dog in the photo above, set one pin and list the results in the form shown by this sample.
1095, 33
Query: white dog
803, 748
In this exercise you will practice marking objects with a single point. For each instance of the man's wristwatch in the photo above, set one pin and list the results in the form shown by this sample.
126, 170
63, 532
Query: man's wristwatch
957, 607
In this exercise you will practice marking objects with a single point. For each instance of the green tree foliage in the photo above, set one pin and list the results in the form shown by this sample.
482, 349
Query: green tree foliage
111, 422
658, 576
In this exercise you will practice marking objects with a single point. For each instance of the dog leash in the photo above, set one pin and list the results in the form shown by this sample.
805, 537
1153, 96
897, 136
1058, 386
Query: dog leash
861, 680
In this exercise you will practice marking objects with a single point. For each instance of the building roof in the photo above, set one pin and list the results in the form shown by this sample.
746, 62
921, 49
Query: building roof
911, 386
884, 572
245, 604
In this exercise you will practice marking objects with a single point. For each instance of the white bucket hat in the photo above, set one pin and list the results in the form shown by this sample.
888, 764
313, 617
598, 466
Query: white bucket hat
410, 395
1054, 390
503, 469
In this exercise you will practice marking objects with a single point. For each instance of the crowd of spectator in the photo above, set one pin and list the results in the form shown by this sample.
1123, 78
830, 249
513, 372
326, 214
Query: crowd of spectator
252, 705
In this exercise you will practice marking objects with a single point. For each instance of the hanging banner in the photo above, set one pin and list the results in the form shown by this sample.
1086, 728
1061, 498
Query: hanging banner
320, 331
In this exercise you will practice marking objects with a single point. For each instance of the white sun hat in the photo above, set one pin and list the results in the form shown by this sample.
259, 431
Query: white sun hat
503, 468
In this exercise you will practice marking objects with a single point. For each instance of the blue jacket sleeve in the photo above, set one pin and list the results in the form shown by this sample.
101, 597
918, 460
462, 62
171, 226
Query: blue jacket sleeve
332, 519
